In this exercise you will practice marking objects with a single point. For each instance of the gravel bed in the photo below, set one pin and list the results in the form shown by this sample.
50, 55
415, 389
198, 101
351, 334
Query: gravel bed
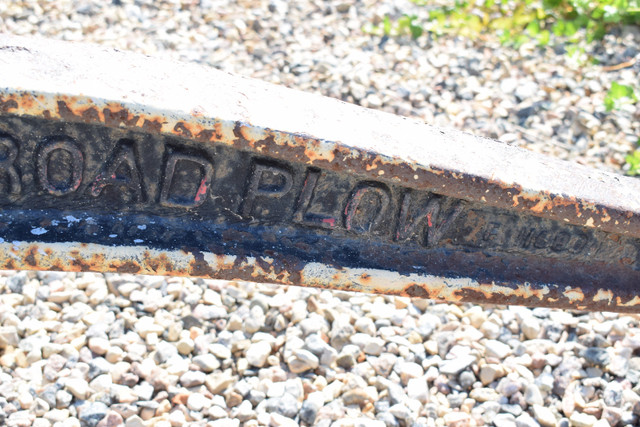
114, 350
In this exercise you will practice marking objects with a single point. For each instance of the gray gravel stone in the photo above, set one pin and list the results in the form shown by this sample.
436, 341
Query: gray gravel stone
285, 405
90, 413
525, 420
457, 365
302, 360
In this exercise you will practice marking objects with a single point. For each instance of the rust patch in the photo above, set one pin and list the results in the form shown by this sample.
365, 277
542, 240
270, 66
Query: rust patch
91, 115
182, 130
119, 117
30, 259
206, 135
6, 105
130, 267
415, 291
154, 126
65, 112
159, 264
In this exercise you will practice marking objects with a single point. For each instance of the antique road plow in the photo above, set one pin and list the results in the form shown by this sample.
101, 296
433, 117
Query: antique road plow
111, 161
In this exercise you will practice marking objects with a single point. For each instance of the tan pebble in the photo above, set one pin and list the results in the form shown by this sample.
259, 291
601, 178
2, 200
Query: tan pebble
401, 302
467, 405
79, 342
180, 399
544, 416
414, 337
457, 419
431, 347
134, 421
147, 413
185, 346
114, 355
33, 356
152, 339
174, 332
98, 345
50, 348
25, 399
233, 399
579, 419
490, 372
476, 316
20, 359
165, 407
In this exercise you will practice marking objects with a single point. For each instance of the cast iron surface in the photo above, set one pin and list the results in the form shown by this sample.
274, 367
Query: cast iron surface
116, 162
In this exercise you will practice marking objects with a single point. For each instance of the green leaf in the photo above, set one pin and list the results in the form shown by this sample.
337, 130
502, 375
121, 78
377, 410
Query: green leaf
558, 28
619, 94
618, 91
599, 32
633, 162
597, 13
386, 25
609, 103
570, 28
416, 30
551, 4
533, 28
543, 37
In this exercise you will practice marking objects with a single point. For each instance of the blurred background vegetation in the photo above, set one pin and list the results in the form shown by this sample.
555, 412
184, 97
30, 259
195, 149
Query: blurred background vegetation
572, 23
518, 21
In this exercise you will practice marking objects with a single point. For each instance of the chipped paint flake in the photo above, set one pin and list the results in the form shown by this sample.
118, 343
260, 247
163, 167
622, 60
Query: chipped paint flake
633, 302
603, 295
573, 294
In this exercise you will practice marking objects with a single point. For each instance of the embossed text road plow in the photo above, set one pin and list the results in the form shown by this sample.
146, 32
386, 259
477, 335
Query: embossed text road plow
117, 162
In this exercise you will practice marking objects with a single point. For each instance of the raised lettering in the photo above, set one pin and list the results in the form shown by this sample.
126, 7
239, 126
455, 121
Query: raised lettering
579, 244
526, 236
560, 241
436, 230
409, 225
60, 166
7, 164
541, 240
492, 232
186, 181
301, 214
121, 171
265, 181
366, 207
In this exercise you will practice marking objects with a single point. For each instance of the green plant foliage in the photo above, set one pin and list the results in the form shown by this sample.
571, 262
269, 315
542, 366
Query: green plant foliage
516, 22
633, 163
619, 95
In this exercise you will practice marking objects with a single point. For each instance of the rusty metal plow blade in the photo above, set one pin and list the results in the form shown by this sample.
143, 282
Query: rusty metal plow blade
115, 162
